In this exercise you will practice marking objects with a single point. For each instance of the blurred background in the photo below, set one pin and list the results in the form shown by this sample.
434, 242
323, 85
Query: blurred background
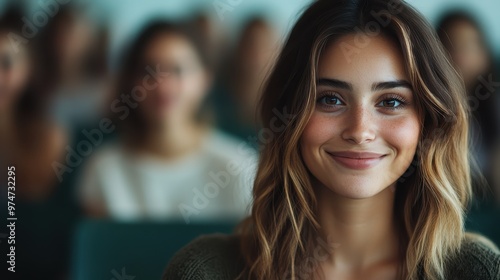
112, 180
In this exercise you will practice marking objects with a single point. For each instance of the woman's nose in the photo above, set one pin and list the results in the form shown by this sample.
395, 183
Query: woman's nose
359, 127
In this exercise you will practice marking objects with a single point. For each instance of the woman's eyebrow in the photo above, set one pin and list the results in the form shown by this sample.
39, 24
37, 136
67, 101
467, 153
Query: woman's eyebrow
391, 85
375, 87
334, 83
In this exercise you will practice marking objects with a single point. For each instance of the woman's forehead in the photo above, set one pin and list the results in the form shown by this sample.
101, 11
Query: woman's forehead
355, 61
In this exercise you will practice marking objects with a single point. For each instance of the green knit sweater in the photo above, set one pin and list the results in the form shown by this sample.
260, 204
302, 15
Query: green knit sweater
217, 257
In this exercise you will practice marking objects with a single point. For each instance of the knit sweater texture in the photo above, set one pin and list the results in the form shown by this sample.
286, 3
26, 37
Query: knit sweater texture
218, 257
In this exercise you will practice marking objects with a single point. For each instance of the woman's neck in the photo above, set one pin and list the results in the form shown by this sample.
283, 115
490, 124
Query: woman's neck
362, 232
171, 141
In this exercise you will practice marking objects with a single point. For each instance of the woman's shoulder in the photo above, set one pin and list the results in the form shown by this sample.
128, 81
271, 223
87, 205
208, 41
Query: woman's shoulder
478, 258
226, 146
215, 256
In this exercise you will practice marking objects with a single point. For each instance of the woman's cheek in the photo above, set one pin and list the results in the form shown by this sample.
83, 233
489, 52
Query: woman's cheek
320, 129
402, 133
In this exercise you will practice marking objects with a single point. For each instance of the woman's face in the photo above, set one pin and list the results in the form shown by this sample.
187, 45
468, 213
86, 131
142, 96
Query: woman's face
181, 81
364, 131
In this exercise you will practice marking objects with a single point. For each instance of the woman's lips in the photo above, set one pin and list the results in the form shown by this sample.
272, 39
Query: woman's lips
357, 160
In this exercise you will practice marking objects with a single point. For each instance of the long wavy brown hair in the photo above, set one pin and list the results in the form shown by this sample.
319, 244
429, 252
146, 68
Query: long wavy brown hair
277, 238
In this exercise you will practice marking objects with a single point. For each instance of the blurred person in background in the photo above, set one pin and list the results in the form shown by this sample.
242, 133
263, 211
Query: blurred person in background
466, 43
252, 58
169, 163
467, 46
75, 49
31, 142
213, 37
29, 137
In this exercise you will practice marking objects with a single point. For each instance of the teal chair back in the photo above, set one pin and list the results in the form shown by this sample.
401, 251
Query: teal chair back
126, 251
486, 221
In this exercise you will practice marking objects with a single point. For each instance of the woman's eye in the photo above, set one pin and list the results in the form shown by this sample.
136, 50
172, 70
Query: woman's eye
330, 100
390, 103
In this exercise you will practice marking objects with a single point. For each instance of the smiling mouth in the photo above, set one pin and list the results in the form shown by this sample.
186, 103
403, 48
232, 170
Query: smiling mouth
357, 160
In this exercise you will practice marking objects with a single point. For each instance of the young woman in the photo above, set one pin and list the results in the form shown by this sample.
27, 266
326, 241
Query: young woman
169, 163
370, 175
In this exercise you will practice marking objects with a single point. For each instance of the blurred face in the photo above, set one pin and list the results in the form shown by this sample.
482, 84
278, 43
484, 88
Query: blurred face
364, 131
14, 72
467, 51
73, 40
257, 47
181, 85
256, 54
